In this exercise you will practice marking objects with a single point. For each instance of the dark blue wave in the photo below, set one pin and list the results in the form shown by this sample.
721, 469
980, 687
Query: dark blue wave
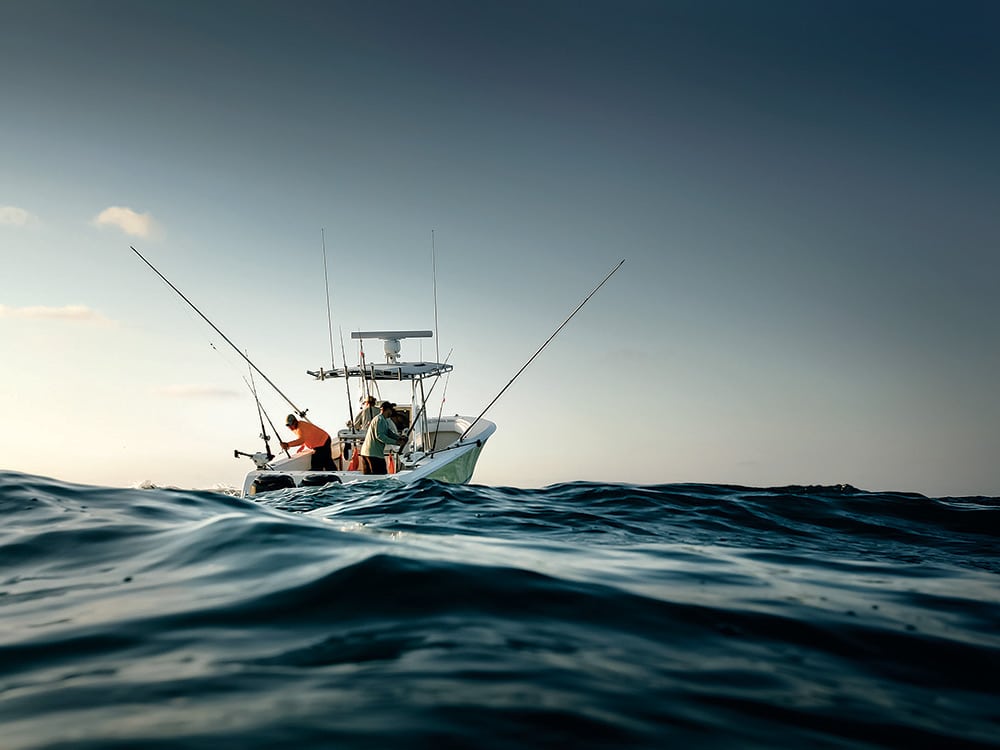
592, 615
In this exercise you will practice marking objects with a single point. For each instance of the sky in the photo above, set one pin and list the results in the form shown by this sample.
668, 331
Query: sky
805, 194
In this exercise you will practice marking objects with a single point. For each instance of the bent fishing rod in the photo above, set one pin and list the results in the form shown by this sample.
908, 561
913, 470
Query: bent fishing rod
437, 427
525, 365
296, 409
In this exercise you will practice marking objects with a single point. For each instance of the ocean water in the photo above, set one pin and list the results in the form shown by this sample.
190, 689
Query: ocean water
432, 616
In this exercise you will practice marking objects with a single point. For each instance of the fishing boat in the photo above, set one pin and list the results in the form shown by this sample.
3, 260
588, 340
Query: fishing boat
443, 448
440, 447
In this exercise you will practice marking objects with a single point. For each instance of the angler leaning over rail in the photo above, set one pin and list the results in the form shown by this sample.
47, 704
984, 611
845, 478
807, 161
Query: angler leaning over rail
311, 436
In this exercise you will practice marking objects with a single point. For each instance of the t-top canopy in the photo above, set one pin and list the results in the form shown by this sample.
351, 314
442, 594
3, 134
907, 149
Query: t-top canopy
390, 371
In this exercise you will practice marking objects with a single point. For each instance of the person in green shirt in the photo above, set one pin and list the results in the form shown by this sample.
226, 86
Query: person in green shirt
381, 432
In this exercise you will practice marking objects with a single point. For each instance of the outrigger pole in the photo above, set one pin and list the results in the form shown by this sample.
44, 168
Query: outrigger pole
437, 337
296, 409
329, 315
329, 325
525, 365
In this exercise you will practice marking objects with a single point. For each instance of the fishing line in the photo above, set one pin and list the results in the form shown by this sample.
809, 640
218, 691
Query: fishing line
525, 365
296, 409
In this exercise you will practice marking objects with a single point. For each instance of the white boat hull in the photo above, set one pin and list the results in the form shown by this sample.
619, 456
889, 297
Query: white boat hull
447, 459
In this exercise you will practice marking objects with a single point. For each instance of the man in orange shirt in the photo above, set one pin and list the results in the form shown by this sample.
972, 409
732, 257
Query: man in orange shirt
311, 436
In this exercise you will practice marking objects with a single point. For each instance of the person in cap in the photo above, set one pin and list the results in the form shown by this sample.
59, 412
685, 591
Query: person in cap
381, 432
308, 435
368, 412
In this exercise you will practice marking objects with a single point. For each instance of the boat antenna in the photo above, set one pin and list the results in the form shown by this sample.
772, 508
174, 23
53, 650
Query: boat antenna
437, 337
525, 365
296, 409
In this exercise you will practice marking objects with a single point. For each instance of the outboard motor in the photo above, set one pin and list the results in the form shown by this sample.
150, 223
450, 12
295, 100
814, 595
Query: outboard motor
318, 480
271, 482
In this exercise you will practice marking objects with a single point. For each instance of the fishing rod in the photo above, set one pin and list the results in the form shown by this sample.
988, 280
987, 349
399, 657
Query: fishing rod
369, 375
423, 406
525, 365
347, 378
260, 415
262, 460
296, 409
363, 367
437, 427
263, 414
259, 458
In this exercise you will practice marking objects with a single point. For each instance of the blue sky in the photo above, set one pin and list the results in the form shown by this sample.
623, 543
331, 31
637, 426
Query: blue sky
805, 193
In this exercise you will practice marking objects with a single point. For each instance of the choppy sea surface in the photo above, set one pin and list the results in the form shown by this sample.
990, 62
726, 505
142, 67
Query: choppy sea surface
435, 616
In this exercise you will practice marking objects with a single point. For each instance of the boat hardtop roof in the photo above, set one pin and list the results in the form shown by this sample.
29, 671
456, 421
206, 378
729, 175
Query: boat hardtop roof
393, 369
388, 371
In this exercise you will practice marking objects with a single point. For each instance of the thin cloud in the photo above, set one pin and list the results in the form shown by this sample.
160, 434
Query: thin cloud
195, 391
127, 220
16, 217
71, 313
